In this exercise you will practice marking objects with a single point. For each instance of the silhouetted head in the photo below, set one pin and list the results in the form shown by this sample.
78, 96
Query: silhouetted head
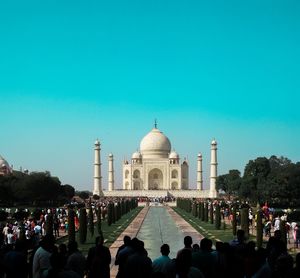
205, 244
165, 249
72, 247
48, 242
188, 242
219, 246
126, 240
196, 247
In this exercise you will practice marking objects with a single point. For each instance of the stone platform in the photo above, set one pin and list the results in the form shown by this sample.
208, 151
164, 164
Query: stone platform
192, 193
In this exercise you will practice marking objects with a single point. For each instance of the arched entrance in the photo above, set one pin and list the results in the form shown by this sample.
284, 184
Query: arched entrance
136, 185
155, 179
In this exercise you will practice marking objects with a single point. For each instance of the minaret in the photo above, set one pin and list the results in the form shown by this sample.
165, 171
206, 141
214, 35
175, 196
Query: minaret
213, 169
199, 172
97, 170
111, 185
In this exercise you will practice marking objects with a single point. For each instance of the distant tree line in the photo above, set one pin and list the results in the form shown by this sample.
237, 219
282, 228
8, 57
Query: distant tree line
275, 180
36, 188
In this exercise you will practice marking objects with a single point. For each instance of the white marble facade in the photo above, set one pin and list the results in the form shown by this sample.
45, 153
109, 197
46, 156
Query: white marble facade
155, 166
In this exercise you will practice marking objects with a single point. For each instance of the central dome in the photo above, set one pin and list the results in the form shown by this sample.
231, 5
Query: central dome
155, 144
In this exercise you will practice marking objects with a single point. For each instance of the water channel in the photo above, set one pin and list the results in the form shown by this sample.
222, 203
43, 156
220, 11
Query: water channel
159, 228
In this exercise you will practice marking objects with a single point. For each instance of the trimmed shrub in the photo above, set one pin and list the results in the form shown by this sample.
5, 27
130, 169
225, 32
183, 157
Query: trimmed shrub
91, 221
205, 212
234, 219
245, 221
283, 231
82, 225
218, 217
259, 228
49, 224
71, 225
99, 223
211, 213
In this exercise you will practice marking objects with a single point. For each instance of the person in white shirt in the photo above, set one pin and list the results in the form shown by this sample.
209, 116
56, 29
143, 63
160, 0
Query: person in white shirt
41, 259
5, 232
277, 224
10, 237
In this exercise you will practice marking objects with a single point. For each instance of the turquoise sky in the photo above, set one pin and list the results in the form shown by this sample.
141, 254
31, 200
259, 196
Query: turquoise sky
74, 71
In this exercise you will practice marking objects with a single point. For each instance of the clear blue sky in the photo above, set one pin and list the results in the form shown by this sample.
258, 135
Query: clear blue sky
74, 71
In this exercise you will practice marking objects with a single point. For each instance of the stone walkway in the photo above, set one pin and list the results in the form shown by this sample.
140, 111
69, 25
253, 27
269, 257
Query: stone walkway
133, 229
185, 227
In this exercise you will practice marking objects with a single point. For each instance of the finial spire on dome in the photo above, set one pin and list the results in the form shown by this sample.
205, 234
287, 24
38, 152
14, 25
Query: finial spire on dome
155, 123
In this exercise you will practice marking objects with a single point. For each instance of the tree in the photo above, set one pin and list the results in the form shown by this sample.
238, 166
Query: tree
255, 176
278, 162
202, 211
83, 194
211, 213
110, 212
229, 183
234, 219
259, 168
82, 225
218, 217
205, 212
282, 228
194, 207
259, 228
68, 191
91, 221
71, 225
49, 224
99, 224
245, 221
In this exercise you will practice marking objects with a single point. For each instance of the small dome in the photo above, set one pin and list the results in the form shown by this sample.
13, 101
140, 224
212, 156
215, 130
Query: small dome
97, 142
173, 155
214, 142
199, 154
136, 155
155, 144
4, 163
110, 155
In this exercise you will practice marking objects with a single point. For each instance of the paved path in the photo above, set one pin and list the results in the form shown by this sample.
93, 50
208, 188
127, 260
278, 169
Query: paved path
132, 231
156, 226
185, 227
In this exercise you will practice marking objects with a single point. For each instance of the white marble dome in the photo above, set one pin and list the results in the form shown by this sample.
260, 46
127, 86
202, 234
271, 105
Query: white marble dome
155, 144
214, 142
173, 155
4, 163
136, 155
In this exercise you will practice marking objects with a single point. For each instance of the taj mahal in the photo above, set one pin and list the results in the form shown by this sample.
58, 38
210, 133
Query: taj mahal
155, 170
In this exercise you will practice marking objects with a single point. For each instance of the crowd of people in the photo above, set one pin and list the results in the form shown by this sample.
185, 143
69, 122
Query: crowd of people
40, 257
34, 227
236, 258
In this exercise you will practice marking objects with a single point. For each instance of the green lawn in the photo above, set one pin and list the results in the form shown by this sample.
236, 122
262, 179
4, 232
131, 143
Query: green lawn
205, 228
110, 233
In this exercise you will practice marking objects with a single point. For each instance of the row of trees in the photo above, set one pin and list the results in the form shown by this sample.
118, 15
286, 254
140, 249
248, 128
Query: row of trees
203, 210
208, 211
275, 180
36, 188
86, 220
